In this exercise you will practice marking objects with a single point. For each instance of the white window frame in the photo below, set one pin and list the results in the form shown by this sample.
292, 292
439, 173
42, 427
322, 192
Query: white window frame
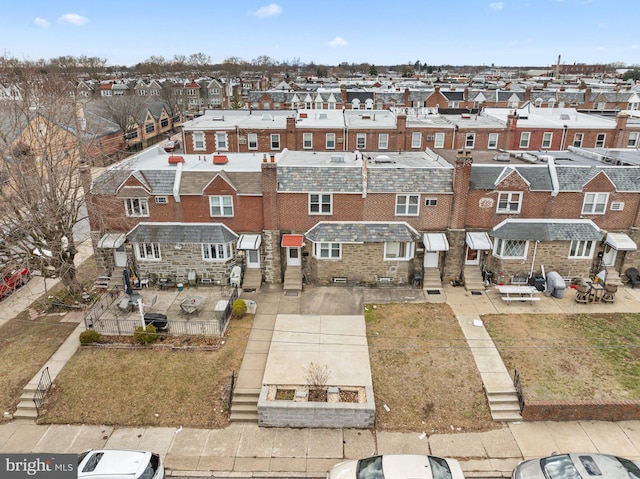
222, 141
416, 139
601, 139
439, 141
136, 207
383, 141
407, 205
252, 141
216, 251
398, 250
492, 142
274, 140
148, 251
361, 141
326, 250
501, 245
595, 203
469, 140
508, 199
318, 203
582, 249
330, 141
547, 138
199, 140
431, 202
578, 138
525, 137
222, 203
307, 141
632, 141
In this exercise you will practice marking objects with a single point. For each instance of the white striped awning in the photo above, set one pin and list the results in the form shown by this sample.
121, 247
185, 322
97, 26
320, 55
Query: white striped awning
620, 242
112, 240
249, 241
435, 242
478, 241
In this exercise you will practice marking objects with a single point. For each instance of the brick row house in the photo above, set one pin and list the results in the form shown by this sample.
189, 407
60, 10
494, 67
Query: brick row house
367, 217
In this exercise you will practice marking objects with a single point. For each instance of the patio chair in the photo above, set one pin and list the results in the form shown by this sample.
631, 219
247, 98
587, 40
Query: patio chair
609, 293
634, 276
583, 294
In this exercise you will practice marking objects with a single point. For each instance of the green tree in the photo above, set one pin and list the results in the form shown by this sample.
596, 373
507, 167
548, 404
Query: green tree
633, 74
373, 71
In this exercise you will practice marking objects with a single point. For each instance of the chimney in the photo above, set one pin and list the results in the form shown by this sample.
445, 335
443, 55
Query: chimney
437, 89
272, 158
401, 123
80, 118
406, 97
527, 94
461, 184
270, 212
343, 93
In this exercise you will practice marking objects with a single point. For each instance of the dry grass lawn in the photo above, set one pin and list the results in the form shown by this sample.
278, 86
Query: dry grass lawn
145, 387
423, 371
571, 357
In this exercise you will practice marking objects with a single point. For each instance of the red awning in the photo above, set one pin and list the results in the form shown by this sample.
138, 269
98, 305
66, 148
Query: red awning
292, 241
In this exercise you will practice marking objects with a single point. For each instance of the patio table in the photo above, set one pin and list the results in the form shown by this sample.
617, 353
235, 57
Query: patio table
190, 304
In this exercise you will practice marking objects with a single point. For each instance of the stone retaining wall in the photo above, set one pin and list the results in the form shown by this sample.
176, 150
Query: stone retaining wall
278, 413
581, 410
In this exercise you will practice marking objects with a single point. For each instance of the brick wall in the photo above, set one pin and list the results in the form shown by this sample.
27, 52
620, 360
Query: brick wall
581, 411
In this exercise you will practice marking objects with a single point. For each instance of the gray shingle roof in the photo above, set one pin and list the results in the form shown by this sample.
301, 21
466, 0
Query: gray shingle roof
185, 233
547, 231
344, 232
326, 179
483, 177
625, 178
410, 180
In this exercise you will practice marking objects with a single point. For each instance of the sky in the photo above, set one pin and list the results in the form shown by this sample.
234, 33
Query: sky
329, 32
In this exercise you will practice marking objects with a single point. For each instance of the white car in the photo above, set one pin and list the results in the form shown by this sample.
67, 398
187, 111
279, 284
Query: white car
115, 464
390, 466
577, 465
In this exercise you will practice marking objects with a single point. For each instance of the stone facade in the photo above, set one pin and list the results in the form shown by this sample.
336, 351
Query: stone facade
272, 265
334, 415
454, 258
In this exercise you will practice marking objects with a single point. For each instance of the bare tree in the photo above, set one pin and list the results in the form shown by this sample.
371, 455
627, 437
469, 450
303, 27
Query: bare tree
125, 111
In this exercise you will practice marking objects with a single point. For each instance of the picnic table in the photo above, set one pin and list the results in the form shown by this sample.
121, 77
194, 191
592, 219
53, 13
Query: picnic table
190, 304
512, 292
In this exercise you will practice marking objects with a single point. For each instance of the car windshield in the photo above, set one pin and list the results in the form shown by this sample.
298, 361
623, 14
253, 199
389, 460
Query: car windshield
92, 462
152, 466
439, 468
630, 467
370, 468
559, 467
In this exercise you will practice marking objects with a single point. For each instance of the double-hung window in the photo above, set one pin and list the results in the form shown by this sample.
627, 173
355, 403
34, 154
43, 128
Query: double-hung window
275, 141
394, 250
221, 141
595, 203
509, 203
361, 141
546, 140
198, 140
439, 141
327, 250
136, 207
577, 140
320, 203
416, 139
383, 141
216, 251
407, 205
252, 141
221, 205
511, 249
307, 141
581, 249
148, 251
493, 141
331, 141
600, 140
524, 139
632, 142
470, 140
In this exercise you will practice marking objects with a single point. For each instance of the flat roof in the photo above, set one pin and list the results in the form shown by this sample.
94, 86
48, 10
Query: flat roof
230, 119
320, 158
553, 118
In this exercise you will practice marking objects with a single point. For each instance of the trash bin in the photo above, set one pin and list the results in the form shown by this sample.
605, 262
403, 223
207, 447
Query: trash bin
555, 284
537, 281
180, 286
159, 320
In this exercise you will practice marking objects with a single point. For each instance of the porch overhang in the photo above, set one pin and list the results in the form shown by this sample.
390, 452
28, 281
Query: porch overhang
292, 241
112, 240
478, 241
249, 241
435, 242
620, 242
536, 229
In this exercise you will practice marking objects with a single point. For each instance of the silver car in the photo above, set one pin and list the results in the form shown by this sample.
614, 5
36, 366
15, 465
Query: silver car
390, 466
577, 466
116, 464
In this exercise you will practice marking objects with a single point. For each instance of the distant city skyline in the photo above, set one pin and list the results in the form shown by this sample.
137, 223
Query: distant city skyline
457, 32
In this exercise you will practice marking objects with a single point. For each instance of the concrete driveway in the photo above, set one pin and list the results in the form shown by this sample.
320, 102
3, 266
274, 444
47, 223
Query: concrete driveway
332, 301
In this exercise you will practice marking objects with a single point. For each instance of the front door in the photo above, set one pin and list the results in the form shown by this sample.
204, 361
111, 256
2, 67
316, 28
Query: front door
293, 256
120, 257
431, 259
473, 256
253, 259
609, 256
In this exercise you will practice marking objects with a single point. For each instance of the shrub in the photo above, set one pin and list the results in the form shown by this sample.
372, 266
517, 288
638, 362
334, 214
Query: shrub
89, 336
239, 309
146, 336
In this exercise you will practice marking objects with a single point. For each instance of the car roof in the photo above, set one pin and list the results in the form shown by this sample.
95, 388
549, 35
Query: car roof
408, 465
116, 462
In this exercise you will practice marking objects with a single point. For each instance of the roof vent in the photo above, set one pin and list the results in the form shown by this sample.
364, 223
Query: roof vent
217, 118
323, 116
220, 159
382, 159
564, 116
466, 116
267, 117
174, 160
337, 158
303, 115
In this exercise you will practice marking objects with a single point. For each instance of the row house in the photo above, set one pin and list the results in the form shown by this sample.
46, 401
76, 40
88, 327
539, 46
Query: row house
407, 129
155, 123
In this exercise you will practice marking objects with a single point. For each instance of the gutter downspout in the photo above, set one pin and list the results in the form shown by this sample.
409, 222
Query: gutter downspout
533, 261
555, 184
564, 137
176, 183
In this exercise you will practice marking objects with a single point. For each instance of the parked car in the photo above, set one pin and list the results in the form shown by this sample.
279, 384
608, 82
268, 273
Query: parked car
13, 280
577, 466
390, 466
171, 145
119, 464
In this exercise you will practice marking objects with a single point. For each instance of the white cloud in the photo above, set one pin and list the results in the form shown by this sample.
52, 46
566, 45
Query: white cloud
268, 10
337, 42
496, 6
40, 22
73, 19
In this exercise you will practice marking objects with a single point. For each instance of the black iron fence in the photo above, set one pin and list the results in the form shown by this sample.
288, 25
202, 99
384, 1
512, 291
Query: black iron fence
231, 388
518, 385
43, 386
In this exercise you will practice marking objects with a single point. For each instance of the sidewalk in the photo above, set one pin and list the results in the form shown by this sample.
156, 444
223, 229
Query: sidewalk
248, 450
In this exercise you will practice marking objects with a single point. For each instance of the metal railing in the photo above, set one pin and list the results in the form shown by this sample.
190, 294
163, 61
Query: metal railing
43, 386
518, 385
231, 388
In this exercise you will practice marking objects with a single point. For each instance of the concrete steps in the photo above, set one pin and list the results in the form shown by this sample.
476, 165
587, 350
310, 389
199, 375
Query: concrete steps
431, 279
293, 279
613, 278
504, 405
473, 279
26, 408
244, 405
252, 280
